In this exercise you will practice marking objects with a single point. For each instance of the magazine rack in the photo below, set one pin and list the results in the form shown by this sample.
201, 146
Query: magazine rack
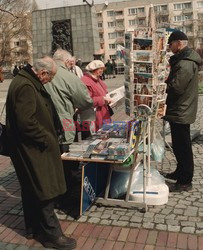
145, 96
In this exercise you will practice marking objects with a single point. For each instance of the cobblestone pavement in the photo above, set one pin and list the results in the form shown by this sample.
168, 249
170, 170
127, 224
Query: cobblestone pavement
175, 225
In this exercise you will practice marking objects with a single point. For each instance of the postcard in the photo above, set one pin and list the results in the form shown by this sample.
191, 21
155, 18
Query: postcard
143, 33
143, 89
142, 44
161, 110
145, 67
143, 99
142, 56
142, 78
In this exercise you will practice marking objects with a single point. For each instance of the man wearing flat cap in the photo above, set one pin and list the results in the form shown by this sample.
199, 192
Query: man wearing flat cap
182, 99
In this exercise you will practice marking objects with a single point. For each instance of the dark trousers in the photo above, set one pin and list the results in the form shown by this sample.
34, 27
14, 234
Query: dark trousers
39, 216
182, 148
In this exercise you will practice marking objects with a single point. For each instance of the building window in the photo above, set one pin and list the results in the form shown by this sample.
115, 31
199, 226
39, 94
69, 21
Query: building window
99, 14
101, 35
200, 28
132, 22
200, 4
112, 46
112, 35
119, 23
200, 16
110, 13
111, 24
16, 44
181, 6
160, 8
120, 34
181, 18
112, 57
118, 13
134, 11
100, 25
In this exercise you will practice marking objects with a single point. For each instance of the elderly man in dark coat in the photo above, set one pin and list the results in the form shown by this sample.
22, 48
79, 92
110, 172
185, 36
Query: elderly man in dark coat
182, 99
33, 130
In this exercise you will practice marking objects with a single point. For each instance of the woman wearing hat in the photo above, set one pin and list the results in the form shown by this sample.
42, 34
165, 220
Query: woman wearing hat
97, 90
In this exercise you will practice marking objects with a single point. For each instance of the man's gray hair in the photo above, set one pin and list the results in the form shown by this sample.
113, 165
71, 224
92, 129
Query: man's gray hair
62, 55
46, 63
184, 42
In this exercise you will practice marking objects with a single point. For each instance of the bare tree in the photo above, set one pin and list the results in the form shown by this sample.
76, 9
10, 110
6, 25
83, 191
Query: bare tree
15, 29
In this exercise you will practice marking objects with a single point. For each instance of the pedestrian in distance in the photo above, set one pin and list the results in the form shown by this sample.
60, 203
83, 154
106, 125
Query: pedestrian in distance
15, 70
34, 129
182, 99
1, 74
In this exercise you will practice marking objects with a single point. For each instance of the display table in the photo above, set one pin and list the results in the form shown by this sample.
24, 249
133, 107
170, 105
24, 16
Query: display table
96, 178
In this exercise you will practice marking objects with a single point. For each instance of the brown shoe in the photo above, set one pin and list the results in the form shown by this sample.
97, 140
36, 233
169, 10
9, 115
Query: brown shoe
177, 187
63, 243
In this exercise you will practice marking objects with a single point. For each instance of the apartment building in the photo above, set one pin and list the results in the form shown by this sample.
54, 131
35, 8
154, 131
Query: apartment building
114, 19
15, 42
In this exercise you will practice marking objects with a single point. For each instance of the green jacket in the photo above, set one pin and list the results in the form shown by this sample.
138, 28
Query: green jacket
32, 136
68, 93
182, 87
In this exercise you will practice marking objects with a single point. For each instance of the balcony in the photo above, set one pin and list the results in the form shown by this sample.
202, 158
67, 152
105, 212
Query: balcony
162, 13
119, 17
101, 30
187, 11
120, 40
141, 15
188, 22
101, 40
119, 28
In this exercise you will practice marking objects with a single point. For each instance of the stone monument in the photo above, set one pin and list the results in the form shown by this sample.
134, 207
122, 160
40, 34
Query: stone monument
73, 28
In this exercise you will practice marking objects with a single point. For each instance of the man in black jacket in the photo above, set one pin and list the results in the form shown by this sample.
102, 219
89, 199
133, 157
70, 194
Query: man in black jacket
182, 100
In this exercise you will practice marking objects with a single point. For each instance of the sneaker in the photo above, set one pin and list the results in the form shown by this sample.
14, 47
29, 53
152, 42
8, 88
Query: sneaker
177, 187
170, 176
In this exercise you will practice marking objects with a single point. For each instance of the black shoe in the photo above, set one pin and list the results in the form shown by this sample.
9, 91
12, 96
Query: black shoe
62, 243
170, 176
177, 187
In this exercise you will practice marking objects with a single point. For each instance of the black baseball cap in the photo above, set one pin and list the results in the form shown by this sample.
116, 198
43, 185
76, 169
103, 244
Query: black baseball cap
177, 35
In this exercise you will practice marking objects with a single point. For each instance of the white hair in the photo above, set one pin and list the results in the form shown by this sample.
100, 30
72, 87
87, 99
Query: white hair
62, 55
45, 62
184, 42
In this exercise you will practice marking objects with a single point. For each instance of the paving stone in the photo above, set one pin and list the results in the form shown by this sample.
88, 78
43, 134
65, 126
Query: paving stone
148, 225
136, 219
137, 225
172, 222
188, 230
159, 221
124, 218
161, 227
178, 211
173, 228
83, 218
105, 216
120, 223
106, 222
96, 214
190, 212
94, 220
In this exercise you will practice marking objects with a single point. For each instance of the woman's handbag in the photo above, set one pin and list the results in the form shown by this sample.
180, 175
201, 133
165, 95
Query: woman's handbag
110, 110
4, 148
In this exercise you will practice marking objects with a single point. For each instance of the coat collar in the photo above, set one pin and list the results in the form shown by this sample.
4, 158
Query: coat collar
28, 73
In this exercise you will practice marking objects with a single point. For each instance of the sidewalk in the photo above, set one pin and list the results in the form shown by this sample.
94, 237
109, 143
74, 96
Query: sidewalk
175, 225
